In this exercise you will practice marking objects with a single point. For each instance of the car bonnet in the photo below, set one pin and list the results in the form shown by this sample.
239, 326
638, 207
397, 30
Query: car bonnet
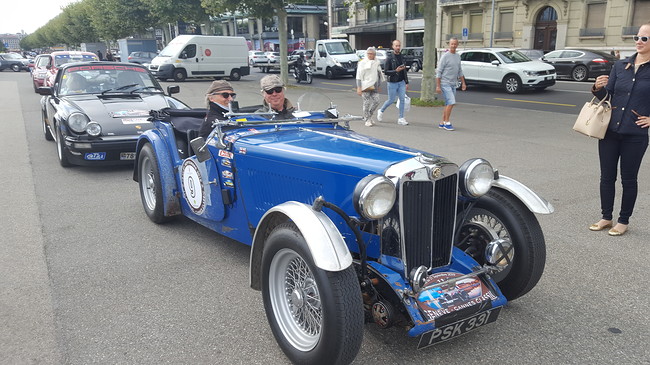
322, 148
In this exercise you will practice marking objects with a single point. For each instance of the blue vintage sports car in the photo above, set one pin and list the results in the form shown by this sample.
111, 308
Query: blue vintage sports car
345, 226
95, 111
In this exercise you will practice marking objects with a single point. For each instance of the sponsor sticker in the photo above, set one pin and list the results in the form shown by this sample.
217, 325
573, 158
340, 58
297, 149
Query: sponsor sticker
192, 186
226, 154
95, 156
242, 150
463, 293
130, 113
134, 120
227, 174
229, 183
226, 162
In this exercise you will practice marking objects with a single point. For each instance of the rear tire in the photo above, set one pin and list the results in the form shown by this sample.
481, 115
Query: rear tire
315, 315
235, 75
309, 78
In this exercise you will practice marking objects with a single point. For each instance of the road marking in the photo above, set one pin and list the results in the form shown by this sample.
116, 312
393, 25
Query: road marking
535, 102
332, 83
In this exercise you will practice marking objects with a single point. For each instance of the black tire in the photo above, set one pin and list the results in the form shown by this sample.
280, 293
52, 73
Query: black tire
149, 183
329, 73
332, 297
499, 214
415, 67
15, 68
309, 78
180, 75
61, 151
580, 73
235, 75
46, 131
512, 84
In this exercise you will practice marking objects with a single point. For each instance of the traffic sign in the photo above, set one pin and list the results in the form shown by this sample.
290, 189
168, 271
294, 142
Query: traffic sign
465, 34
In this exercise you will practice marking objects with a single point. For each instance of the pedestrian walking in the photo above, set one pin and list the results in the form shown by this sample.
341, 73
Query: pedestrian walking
398, 81
369, 78
99, 55
447, 75
626, 139
109, 56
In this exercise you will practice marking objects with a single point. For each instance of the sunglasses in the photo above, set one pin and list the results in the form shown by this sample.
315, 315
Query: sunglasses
643, 39
226, 95
277, 90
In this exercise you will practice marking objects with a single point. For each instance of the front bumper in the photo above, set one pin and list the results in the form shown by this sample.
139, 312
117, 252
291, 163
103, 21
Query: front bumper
535, 82
338, 70
113, 151
164, 71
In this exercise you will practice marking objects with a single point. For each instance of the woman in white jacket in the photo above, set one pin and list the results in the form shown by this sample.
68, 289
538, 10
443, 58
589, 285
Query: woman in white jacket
369, 78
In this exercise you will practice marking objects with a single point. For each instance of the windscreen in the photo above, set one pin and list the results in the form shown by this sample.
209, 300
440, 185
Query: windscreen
338, 48
513, 56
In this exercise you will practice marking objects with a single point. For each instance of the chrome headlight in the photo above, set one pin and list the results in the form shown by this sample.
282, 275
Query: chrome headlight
374, 196
77, 122
476, 177
93, 129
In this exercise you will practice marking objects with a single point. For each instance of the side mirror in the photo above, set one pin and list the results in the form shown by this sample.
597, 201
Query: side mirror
496, 63
173, 89
198, 146
45, 90
183, 55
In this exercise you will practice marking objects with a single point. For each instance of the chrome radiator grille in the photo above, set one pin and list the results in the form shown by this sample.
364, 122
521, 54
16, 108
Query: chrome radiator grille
428, 215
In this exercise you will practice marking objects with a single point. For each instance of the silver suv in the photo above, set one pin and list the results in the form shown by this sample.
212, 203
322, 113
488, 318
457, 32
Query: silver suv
506, 68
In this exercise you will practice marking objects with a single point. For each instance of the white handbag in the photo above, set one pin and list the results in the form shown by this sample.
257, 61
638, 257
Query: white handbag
407, 103
594, 118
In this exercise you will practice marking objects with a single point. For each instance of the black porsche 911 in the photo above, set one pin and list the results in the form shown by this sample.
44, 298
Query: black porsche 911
95, 111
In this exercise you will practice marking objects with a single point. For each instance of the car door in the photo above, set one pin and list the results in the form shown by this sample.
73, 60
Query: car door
558, 59
494, 68
190, 60
471, 63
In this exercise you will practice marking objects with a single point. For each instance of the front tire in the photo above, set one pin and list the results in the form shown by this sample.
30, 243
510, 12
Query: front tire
329, 73
61, 152
580, 73
150, 186
512, 84
180, 75
499, 214
309, 78
315, 315
15, 68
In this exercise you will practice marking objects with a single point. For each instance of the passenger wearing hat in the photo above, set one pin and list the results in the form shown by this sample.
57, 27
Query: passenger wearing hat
273, 92
217, 98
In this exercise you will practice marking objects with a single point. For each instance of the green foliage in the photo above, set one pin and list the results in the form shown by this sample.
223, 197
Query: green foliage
420, 102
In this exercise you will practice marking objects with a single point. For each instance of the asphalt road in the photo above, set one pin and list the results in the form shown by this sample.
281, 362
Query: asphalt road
85, 277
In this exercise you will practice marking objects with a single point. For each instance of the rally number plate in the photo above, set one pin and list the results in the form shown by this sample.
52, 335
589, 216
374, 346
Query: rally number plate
127, 156
458, 328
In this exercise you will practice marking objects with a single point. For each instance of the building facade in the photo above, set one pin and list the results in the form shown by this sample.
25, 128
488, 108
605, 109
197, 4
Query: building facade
12, 41
545, 24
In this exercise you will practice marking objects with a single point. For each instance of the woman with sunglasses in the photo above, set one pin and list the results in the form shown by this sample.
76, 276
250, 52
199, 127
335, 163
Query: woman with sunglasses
273, 92
217, 98
626, 139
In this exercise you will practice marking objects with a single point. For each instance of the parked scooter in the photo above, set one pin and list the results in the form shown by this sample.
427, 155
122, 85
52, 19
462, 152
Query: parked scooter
302, 70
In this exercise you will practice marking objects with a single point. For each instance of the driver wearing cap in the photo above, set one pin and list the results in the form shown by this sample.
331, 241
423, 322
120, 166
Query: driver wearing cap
273, 92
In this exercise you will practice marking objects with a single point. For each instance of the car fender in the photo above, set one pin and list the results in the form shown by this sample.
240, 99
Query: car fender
172, 205
324, 241
533, 202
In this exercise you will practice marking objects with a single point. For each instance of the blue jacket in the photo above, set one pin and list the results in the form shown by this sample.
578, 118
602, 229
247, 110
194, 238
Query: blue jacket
629, 92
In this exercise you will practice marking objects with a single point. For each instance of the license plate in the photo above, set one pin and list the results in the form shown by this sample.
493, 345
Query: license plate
350, 70
127, 156
549, 77
458, 328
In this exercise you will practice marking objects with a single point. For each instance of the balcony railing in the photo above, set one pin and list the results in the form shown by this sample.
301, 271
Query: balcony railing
592, 32
459, 2
630, 30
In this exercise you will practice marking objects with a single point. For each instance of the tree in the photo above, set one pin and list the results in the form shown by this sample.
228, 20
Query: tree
260, 9
116, 19
429, 57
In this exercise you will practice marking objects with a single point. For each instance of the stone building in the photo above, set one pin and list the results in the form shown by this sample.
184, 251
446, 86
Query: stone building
544, 24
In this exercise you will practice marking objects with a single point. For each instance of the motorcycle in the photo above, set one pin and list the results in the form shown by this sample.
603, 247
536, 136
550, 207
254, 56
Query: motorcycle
302, 71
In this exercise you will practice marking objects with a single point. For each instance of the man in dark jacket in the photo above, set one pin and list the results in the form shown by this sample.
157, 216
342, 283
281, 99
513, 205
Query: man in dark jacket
274, 99
218, 98
396, 74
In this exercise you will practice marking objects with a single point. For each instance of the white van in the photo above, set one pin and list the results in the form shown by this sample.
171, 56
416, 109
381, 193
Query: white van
335, 57
200, 56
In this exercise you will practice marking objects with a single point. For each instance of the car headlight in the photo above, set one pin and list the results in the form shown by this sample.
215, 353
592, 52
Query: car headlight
476, 177
337, 63
77, 122
531, 73
93, 129
374, 196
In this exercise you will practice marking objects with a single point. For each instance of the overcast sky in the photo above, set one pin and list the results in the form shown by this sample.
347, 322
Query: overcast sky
29, 15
